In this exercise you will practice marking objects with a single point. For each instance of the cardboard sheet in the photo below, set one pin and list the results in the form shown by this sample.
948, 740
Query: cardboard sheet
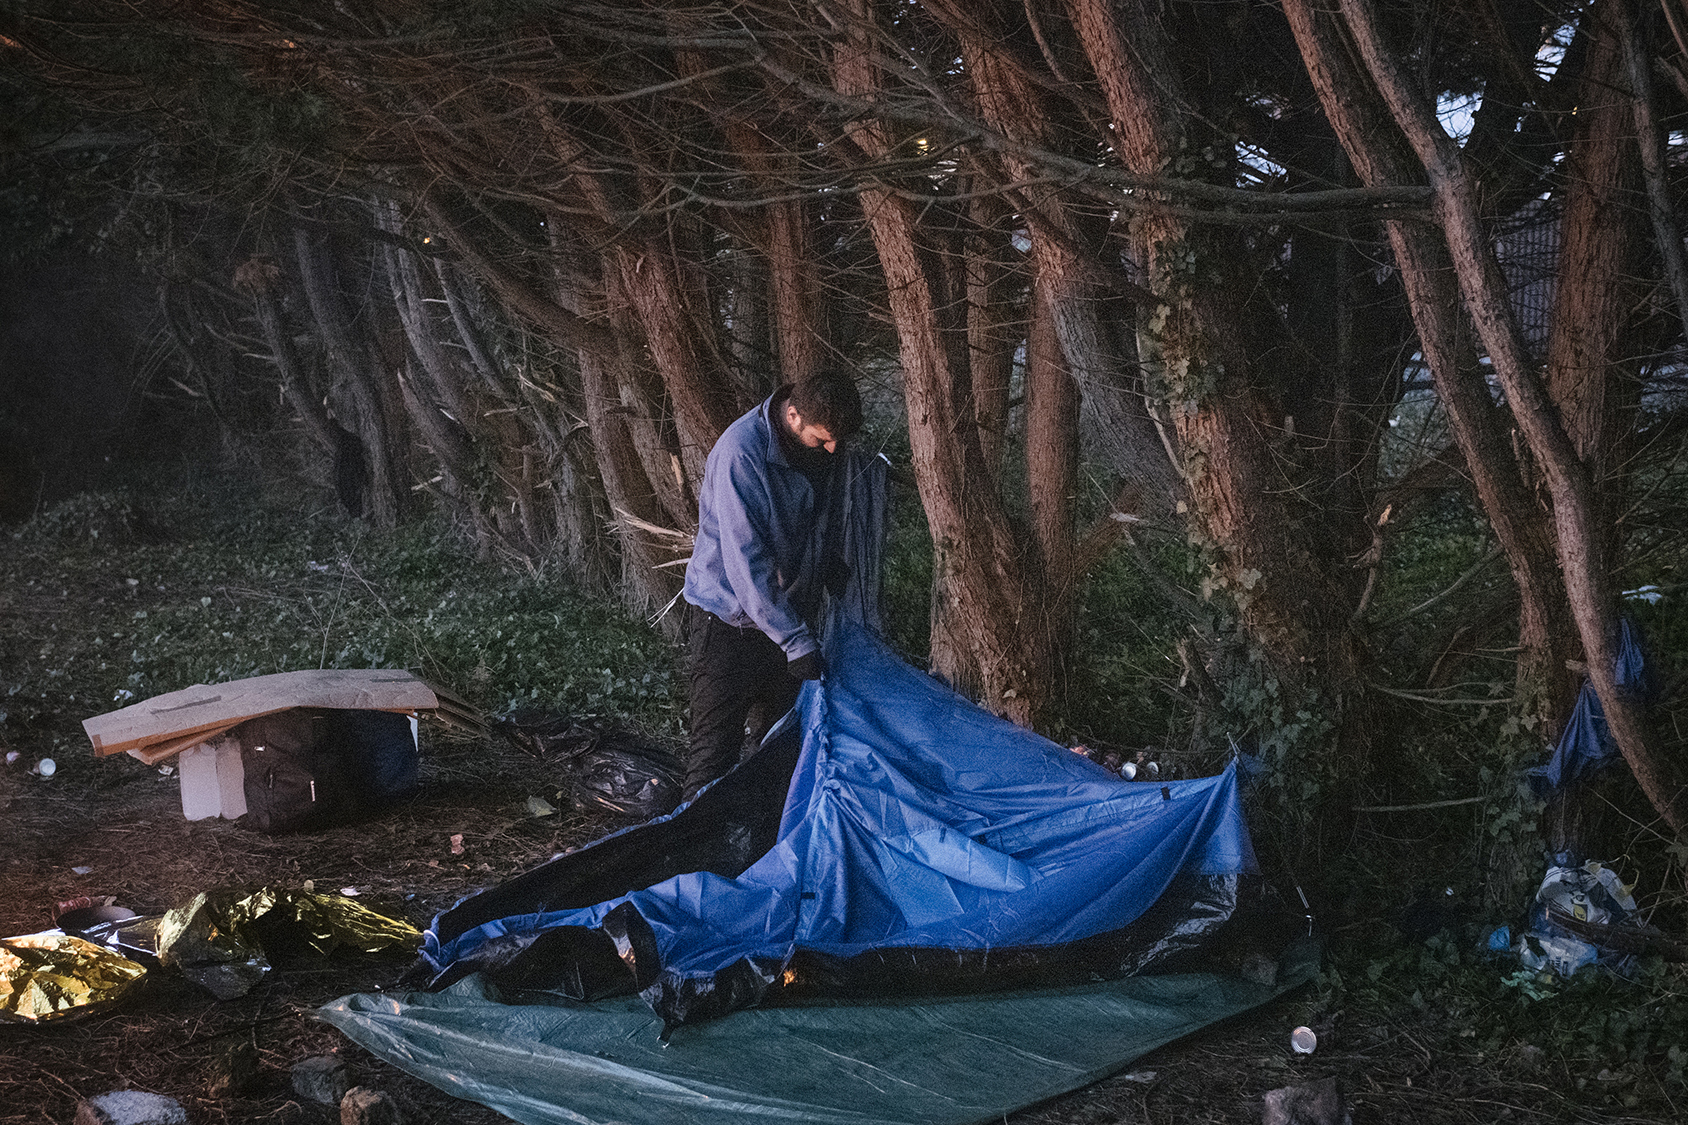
168, 724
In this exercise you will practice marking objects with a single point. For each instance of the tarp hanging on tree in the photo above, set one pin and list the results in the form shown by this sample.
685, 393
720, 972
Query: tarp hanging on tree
924, 844
1586, 745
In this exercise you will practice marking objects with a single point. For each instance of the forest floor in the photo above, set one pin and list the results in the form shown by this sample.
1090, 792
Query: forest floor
113, 827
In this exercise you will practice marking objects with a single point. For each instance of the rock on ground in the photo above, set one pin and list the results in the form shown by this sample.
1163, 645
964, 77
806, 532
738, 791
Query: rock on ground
323, 1079
131, 1107
1314, 1103
363, 1106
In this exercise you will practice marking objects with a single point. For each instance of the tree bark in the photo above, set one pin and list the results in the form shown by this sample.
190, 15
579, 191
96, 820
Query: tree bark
358, 375
996, 322
1293, 603
1379, 154
1588, 584
1587, 378
1666, 232
294, 387
981, 641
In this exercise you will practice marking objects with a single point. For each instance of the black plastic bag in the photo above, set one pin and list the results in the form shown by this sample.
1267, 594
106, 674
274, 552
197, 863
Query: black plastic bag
615, 770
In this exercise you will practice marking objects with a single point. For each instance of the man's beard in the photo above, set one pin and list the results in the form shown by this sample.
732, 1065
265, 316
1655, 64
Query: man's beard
810, 461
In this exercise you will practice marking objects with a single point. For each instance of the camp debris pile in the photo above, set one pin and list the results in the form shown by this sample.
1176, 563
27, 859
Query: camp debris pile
287, 751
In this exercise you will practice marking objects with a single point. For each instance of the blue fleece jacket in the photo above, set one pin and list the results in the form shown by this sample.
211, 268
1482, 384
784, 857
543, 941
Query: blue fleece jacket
753, 562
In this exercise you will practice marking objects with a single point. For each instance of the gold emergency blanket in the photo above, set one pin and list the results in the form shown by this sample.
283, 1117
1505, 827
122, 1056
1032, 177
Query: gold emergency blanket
214, 938
221, 924
52, 975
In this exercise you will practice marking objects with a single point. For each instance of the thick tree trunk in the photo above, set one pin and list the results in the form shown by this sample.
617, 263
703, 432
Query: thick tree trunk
1587, 378
1667, 232
981, 640
801, 330
996, 323
1292, 602
1380, 156
666, 307
1051, 468
357, 375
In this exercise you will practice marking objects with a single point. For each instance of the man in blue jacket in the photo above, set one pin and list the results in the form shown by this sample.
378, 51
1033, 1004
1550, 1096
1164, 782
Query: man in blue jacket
767, 547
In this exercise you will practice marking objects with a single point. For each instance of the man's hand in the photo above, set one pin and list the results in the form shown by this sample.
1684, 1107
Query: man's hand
809, 666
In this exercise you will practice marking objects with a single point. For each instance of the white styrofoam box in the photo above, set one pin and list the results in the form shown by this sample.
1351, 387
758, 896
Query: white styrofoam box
213, 780
201, 795
231, 779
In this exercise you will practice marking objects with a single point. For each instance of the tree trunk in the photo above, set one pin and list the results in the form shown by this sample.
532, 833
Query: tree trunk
1666, 231
1587, 378
996, 323
1380, 156
980, 639
1293, 603
357, 374
294, 387
1588, 585
1051, 469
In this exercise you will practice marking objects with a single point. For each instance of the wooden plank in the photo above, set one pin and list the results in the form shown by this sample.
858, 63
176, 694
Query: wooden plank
206, 710
160, 751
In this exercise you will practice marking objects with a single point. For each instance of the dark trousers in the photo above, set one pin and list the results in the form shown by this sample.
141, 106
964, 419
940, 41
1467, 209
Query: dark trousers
736, 675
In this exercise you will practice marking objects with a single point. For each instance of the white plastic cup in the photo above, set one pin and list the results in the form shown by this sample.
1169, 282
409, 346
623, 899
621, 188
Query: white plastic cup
1302, 1041
46, 767
1128, 771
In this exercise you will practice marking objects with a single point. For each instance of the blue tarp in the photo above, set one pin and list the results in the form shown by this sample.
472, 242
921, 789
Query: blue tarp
924, 846
1585, 745
914, 820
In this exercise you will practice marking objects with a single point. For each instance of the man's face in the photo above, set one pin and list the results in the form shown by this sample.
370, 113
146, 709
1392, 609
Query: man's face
811, 436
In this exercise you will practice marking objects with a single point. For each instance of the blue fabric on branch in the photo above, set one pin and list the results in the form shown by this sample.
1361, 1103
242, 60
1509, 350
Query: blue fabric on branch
1586, 745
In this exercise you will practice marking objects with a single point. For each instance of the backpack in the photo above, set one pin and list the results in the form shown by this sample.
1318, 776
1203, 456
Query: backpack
310, 767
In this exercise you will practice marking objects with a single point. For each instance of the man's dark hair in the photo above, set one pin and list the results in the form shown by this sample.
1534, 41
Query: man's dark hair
829, 400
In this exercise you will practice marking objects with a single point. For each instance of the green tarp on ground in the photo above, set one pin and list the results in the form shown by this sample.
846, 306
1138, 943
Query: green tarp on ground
948, 1061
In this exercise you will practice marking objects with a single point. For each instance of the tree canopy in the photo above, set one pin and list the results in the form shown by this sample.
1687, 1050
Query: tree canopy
1261, 281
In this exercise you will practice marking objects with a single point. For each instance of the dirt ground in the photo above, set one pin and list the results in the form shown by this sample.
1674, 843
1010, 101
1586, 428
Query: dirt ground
122, 821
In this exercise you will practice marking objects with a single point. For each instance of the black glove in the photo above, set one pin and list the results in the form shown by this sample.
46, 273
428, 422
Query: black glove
809, 666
